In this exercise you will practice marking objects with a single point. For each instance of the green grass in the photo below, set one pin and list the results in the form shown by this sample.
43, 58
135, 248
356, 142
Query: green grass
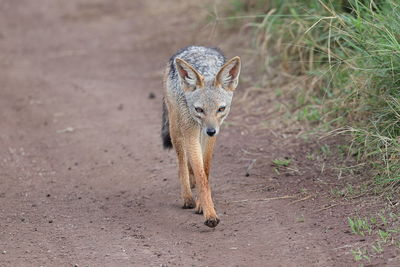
360, 226
383, 233
281, 162
344, 58
360, 254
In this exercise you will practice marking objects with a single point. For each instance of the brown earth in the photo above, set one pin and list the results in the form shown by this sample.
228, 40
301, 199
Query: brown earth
84, 180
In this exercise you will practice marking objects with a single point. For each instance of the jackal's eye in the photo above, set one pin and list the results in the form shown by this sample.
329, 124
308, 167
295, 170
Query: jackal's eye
199, 110
221, 109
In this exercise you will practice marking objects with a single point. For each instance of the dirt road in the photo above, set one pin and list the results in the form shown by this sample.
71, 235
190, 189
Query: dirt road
83, 177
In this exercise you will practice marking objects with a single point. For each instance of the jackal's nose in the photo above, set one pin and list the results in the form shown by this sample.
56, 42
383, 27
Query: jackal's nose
211, 131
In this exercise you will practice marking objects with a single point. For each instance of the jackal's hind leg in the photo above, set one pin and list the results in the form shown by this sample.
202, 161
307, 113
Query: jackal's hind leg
198, 209
192, 179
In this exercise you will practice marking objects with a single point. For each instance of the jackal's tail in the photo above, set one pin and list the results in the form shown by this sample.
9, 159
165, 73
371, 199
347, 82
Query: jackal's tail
166, 137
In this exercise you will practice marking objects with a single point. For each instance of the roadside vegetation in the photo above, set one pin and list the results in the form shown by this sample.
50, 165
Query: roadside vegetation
341, 64
377, 233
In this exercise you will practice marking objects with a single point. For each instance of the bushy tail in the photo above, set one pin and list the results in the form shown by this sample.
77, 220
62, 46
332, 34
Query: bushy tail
166, 137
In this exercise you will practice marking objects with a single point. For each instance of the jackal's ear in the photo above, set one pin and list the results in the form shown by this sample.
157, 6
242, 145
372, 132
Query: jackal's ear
190, 77
228, 75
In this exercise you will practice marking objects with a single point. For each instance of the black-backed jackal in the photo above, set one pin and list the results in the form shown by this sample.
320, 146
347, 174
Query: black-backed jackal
199, 85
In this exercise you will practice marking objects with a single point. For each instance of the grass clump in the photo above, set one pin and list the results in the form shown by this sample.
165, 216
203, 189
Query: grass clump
343, 58
359, 226
381, 232
281, 162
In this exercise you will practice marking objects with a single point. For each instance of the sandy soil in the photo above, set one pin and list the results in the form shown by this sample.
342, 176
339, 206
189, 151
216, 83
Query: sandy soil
83, 177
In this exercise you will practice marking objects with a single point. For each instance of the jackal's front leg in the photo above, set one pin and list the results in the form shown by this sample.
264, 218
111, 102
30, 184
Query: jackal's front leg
207, 145
188, 200
205, 200
208, 149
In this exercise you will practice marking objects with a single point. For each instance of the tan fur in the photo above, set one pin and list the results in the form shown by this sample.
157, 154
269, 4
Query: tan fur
191, 177
208, 149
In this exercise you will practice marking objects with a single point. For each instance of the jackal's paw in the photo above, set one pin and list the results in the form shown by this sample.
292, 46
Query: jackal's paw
189, 203
198, 209
212, 222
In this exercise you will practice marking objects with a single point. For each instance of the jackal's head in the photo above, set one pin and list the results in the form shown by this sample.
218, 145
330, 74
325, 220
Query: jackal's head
209, 98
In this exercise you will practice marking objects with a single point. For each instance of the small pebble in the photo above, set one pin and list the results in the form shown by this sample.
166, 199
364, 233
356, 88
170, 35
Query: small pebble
48, 195
152, 95
50, 221
4, 252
